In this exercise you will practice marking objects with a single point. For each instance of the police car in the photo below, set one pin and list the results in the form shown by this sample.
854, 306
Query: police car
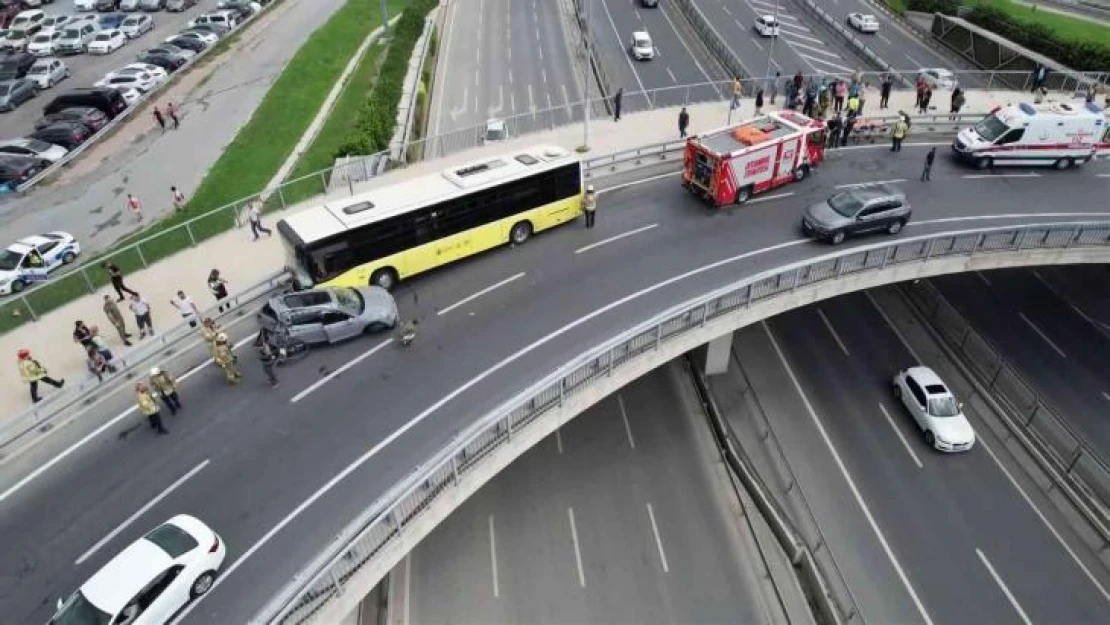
31, 259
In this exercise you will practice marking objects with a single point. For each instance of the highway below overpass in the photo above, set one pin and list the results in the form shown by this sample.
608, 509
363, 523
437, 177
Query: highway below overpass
283, 471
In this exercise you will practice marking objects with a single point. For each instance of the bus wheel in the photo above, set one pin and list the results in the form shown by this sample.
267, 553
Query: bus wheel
1063, 163
743, 195
385, 278
520, 233
801, 173
982, 162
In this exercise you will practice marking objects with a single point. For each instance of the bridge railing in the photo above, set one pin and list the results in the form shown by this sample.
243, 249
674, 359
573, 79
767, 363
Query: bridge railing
384, 524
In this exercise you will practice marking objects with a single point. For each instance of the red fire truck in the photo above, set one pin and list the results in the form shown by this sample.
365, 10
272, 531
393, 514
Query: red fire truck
729, 165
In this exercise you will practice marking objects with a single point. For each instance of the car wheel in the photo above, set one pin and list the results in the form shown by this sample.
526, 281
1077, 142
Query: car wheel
837, 237
982, 162
930, 438
202, 584
68, 258
374, 328
385, 277
897, 391
895, 226
17, 286
743, 195
520, 232
1063, 163
801, 173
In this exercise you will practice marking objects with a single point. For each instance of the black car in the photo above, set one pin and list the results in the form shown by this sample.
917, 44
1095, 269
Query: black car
69, 135
91, 118
107, 100
16, 92
106, 5
15, 170
14, 66
168, 63
187, 43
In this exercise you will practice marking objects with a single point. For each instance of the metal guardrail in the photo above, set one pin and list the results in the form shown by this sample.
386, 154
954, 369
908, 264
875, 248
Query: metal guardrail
385, 520
165, 345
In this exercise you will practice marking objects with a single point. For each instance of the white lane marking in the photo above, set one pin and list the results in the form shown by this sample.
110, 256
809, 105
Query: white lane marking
768, 198
616, 237
901, 437
577, 551
558, 441
793, 36
627, 425
671, 74
814, 59
625, 185
728, 13
1106, 395
923, 144
1103, 175
689, 53
884, 40
543, 73
945, 220
449, 21
1044, 519
49, 464
983, 278
894, 328
474, 296
1043, 336
864, 184
331, 376
140, 512
833, 332
848, 478
658, 540
978, 176
913, 62
815, 50
1098, 326
1002, 585
493, 557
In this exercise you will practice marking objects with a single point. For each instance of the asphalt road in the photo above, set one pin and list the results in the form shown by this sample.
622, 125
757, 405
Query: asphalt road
85, 69
656, 528
1052, 325
269, 454
920, 536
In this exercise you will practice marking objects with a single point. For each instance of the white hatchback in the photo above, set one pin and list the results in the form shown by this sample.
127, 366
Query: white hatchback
934, 408
863, 22
151, 580
106, 42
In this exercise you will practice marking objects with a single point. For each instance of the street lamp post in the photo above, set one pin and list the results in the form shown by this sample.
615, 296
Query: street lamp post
586, 79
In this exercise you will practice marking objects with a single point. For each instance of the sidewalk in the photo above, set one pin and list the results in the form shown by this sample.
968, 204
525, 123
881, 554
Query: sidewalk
244, 263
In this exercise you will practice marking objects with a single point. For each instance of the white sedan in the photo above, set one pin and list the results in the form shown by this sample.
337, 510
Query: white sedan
130, 95
107, 42
152, 579
33, 148
642, 47
766, 26
863, 22
141, 81
48, 72
43, 44
938, 78
202, 36
934, 409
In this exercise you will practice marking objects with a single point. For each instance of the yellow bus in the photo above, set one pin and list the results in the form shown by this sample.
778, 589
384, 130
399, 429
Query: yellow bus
394, 232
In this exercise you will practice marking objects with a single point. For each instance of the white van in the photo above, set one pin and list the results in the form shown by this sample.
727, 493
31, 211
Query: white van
1055, 133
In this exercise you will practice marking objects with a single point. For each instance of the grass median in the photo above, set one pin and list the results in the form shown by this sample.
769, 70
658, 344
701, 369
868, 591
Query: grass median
1064, 26
246, 165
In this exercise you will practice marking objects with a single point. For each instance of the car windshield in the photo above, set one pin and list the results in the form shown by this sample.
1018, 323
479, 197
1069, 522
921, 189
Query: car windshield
9, 260
80, 611
42, 38
845, 204
37, 146
103, 37
642, 42
991, 128
37, 69
172, 539
943, 406
72, 34
131, 21
350, 300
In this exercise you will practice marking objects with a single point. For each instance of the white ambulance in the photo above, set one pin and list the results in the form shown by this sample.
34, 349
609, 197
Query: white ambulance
1059, 134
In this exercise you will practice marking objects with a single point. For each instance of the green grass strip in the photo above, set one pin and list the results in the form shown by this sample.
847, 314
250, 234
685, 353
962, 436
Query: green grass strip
1065, 27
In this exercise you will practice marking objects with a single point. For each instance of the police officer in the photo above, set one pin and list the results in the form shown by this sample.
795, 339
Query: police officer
164, 384
589, 204
267, 357
225, 358
149, 407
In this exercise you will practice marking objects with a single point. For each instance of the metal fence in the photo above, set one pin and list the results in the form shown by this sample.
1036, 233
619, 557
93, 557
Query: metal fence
1083, 465
385, 521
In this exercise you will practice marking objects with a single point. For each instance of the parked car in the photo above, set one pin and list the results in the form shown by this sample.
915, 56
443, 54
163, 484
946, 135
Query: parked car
27, 20
43, 44
156, 72
14, 171
152, 5
329, 315
8, 10
225, 18
129, 5
211, 27
31, 259
48, 72
641, 46
75, 38
152, 579
649, 4
89, 117
33, 148
69, 135
106, 5
194, 44
858, 210
136, 25
138, 80
938, 78
108, 101
205, 36
180, 5
167, 49
863, 22
111, 21
15, 65
934, 409
766, 26
84, 5
18, 39
13, 93
130, 95
168, 63
56, 22
107, 42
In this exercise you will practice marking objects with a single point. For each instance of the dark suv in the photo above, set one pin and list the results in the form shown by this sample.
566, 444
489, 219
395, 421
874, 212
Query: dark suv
13, 66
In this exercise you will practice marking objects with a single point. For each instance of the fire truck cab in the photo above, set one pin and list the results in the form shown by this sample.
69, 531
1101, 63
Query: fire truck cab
729, 165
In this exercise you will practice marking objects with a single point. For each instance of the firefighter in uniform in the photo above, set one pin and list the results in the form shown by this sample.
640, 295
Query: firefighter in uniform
164, 384
226, 359
208, 331
148, 405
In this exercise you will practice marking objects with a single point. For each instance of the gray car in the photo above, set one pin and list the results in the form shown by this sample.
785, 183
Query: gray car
330, 315
16, 92
870, 208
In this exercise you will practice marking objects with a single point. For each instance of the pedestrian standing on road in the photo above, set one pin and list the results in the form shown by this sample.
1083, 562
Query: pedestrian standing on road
115, 317
919, 91
925, 99
884, 91
833, 138
178, 198
141, 309
159, 118
148, 405
958, 99
683, 122
97, 364
737, 92
135, 206
617, 104
772, 87
165, 386
226, 360
898, 134
172, 112
81, 334
268, 358
209, 330
849, 126
186, 307
218, 286
33, 373
254, 216
589, 205
930, 156
115, 275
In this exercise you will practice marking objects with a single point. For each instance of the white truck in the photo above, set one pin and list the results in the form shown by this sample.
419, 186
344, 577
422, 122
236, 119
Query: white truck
1059, 134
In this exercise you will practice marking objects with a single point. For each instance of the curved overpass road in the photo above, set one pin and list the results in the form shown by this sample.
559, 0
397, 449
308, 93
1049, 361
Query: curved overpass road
288, 469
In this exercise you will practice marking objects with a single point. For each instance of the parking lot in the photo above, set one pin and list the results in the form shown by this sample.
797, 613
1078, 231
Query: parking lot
86, 69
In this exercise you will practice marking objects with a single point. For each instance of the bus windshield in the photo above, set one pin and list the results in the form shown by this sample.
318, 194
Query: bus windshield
991, 128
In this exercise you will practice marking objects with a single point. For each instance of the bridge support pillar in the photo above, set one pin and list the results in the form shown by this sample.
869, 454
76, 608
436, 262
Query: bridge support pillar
717, 354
